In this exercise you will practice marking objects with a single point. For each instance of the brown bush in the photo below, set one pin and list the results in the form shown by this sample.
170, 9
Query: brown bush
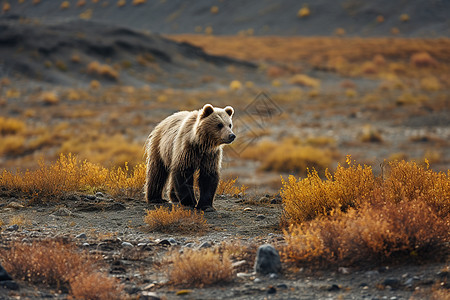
95, 286
11, 126
423, 59
307, 198
377, 233
175, 219
291, 155
199, 268
59, 264
104, 70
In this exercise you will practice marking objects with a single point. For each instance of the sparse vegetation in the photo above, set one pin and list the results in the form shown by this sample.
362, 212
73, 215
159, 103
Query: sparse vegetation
59, 265
104, 70
175, 219
199, 268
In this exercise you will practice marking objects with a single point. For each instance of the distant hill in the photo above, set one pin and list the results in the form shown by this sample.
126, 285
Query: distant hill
407, 18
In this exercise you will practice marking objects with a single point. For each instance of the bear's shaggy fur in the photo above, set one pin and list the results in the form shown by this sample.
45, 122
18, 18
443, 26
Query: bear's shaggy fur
183, 144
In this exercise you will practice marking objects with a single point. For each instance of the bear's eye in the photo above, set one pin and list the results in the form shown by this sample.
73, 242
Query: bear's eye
220, 125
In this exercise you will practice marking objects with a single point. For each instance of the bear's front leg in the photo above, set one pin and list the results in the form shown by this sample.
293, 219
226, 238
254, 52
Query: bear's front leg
183, 182
207, 182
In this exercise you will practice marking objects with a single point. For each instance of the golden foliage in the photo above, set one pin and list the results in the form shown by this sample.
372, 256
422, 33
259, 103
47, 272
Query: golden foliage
423, 59
372, 234
175, 219
11, 126
305, 80
304, 11
49, 98
228, 187
307, 198
235, 85
68, 174
58, 264
199, 267
291, 155
104, 70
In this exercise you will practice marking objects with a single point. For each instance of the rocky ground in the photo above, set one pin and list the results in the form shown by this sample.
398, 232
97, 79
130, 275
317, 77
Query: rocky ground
114, 228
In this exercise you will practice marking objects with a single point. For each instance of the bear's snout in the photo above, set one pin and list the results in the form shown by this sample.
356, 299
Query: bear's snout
231, 137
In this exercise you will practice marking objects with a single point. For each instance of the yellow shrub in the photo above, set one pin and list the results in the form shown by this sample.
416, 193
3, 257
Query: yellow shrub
307, 198
290, 155
68, 174
228, 187
200, 267
12, 145
304, 12
305, 80
176, 219
430, 84
49, 98
103, 70
235, 85
11, 126
139, 2
214, 9
65, 4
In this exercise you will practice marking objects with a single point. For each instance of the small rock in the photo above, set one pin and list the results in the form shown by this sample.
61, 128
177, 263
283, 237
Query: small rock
172, 241
127, 245
62, 212
343, 270
100, 195
4, 275
333, 288
271, 290
264, 199
267, 260
248, 209
189, 245
149, 296
165, 242
148, 286
392, 282
15, 205
260, 217
282, 286
14, 227
257, 280
244, 275
85, 245
81, 236
183, 292
238, 263
89, 197
371, 273
205, 245
273, 276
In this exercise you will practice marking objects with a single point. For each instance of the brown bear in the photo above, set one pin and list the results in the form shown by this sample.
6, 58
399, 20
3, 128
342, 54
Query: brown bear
183, 144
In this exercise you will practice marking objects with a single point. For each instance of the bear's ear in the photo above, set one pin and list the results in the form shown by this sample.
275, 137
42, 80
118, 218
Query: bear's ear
207, 110
229, 110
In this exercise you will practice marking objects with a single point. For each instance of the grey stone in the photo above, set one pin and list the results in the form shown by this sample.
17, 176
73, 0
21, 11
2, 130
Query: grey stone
127, 245
205, 245
273, 276
9, 284
257, 280
267, 260
100, 195
81, 236
260, 217
14, 227
392, 282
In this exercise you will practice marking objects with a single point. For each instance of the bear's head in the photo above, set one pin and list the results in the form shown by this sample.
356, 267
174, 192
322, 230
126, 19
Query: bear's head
214, 125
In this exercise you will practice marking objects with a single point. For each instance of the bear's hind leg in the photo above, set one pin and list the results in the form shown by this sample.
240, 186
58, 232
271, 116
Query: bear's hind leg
183, 186
156, 179
207, 182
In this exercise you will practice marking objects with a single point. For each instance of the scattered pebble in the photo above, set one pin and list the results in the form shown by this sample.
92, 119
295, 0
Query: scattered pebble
62, 212
260, 217
271, 290
81, 236
257, 280
127, 245
14, 227
15, 205
273, 276
248, 209
333, 288
205, 245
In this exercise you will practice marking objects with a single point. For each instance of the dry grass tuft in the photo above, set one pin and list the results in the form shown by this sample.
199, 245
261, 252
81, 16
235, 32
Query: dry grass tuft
175, 219
95, 286
385, 232
11, 126
104, 70
350, 187
49, 98
291, 155
68, 174
228, 187
307, 198
61, 265
305, 80
200, 267
422, 60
